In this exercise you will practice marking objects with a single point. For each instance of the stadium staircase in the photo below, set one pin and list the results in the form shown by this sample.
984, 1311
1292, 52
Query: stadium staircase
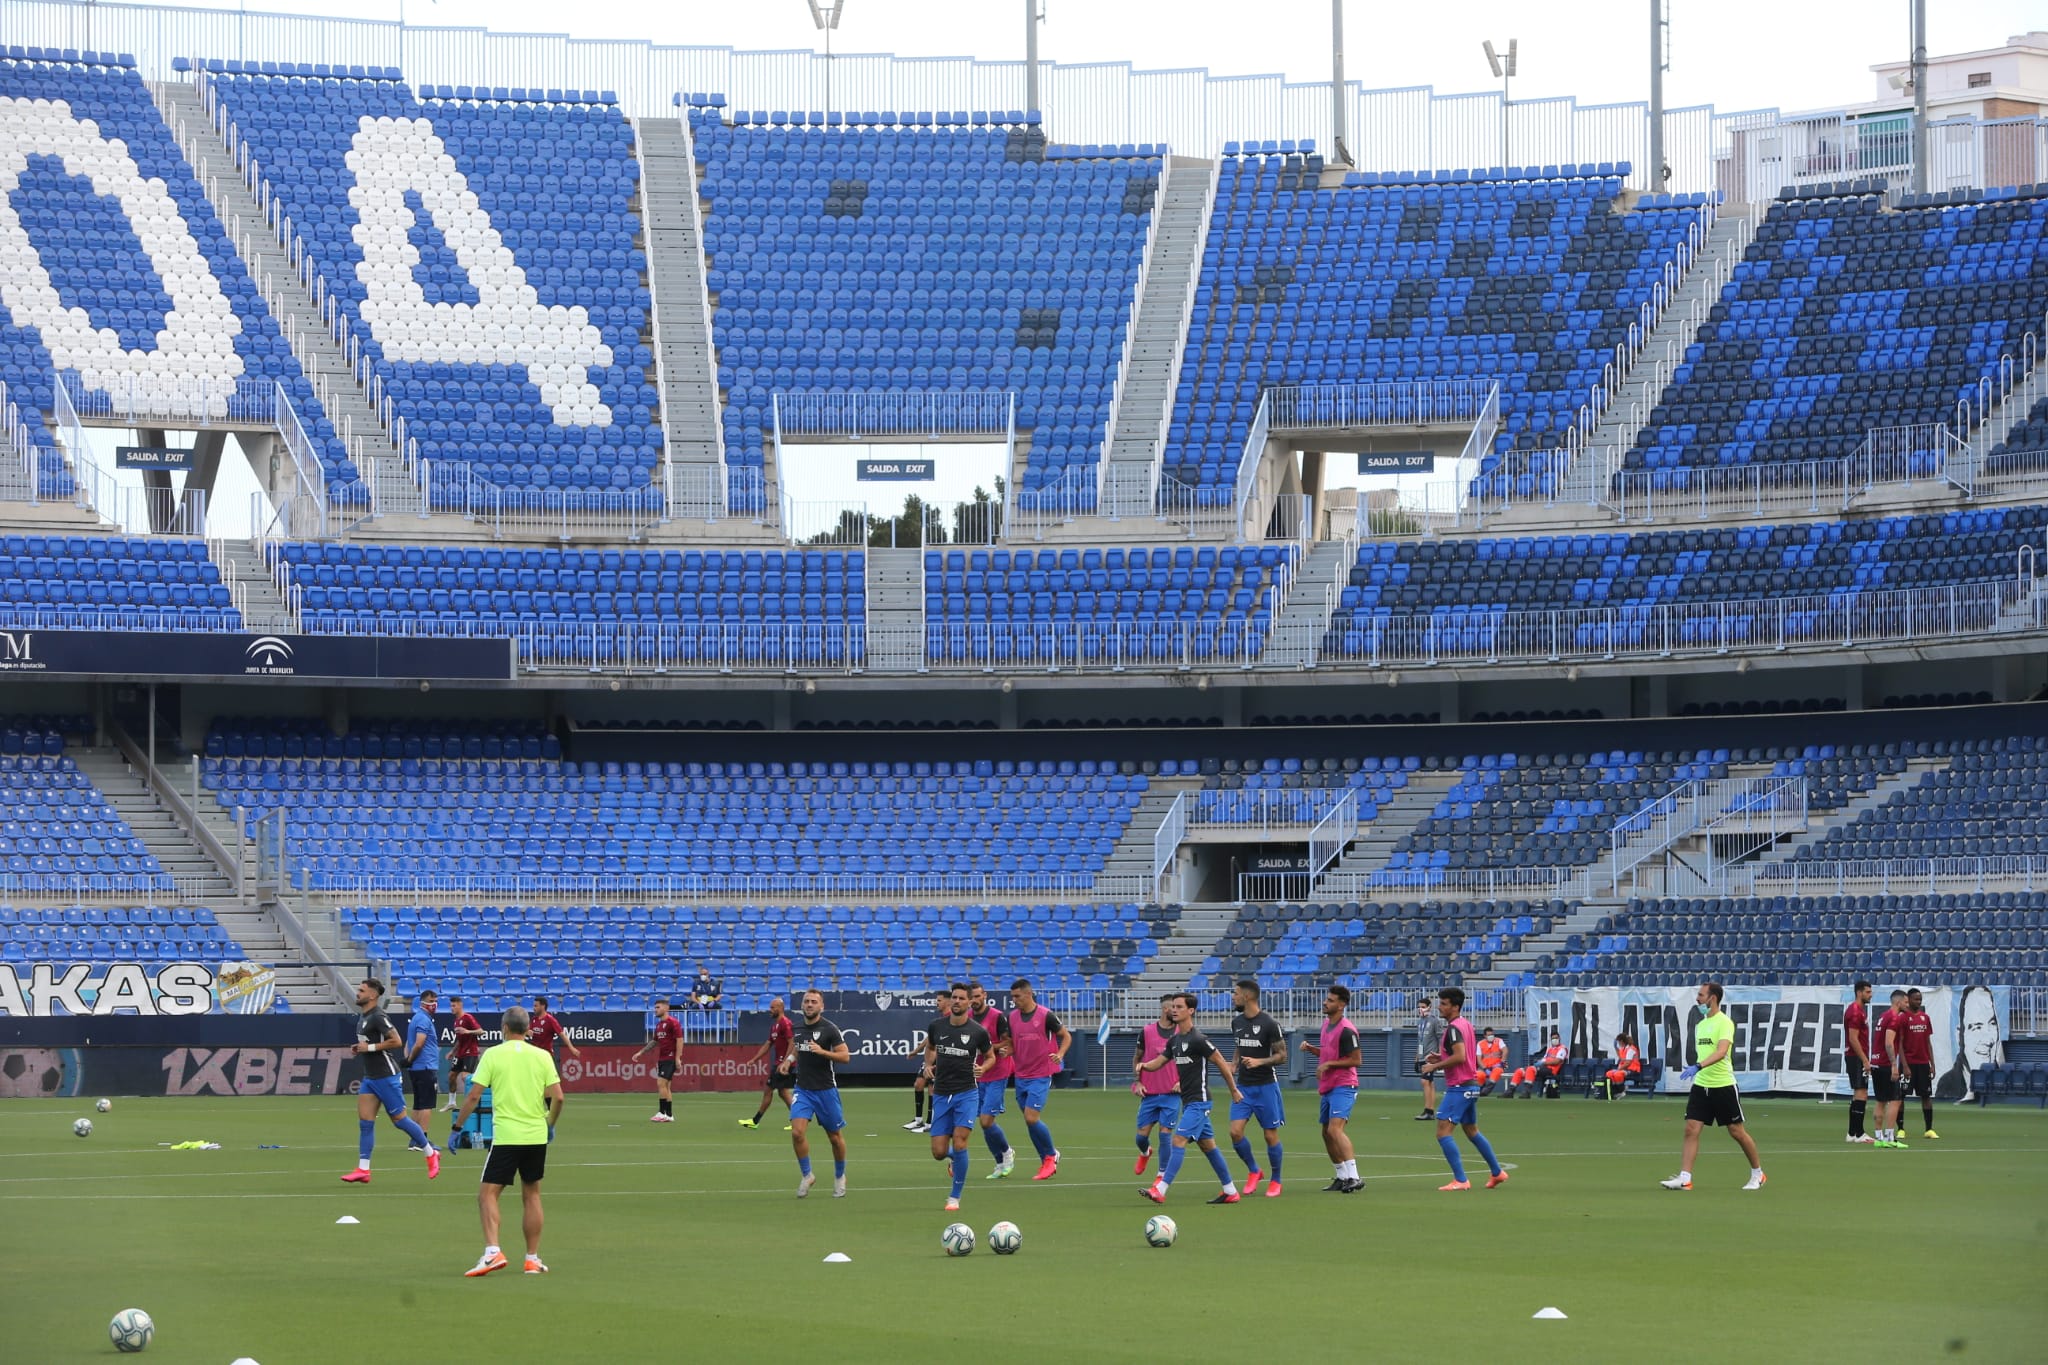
895, 610
1643, 386
1157, 340
1305, 614
324, 362
1180, 957
263, 607
1583, 920
1132, 855
1397, 819
1827, 821
682, 343
169, 842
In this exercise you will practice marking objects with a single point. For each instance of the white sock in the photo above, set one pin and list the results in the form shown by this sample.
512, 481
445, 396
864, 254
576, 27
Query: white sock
1756, 1173
1685, 1175
363, 1164
1230, 1187
490, 1251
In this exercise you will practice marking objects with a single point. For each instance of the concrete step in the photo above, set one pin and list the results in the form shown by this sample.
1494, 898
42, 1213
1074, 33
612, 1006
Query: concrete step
175, 850
685, 350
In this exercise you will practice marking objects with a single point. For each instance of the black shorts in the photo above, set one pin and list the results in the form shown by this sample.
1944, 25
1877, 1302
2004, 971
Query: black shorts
1859, 1076
1920, 1079
528, 1161
458, 1066
1716, 1106
665, 1070
778, 1080
1884, 1087
1419, 1064
426, 1087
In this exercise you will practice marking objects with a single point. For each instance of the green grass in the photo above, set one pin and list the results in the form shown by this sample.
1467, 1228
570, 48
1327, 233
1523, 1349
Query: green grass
684, 1241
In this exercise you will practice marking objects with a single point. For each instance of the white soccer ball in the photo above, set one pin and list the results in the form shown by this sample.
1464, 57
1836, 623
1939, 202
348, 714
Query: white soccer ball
957, 1239
104, 1105
1160, 1230
83, 1128
1004, 1239
131, 1328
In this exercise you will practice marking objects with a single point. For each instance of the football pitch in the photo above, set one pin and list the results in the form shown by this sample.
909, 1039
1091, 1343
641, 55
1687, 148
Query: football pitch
685, 1241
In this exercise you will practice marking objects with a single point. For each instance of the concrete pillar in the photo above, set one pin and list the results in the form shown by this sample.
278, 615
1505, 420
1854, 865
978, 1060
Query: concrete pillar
1231, 704
782, 708
1649, 695
1450, 703
1853, 679
335, 701
1006, 710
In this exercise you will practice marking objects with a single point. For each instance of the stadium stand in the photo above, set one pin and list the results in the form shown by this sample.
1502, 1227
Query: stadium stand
101, 935
57, 832
1002, 605
1462, 586
1529, 275
619, 956
1986, 802
138, 290
517, 822
1375, 947
674, 605
112, 583
947, 251
1848, 315
1938, 940
482, 248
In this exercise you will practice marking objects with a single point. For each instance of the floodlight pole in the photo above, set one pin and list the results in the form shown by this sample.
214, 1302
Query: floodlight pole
1660, 174
1032, 19
1340, 130
1503, 64
825, 16
1919, 68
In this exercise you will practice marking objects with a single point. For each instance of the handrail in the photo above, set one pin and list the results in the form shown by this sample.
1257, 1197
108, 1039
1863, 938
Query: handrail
1130, 346
168, 797
1166, 842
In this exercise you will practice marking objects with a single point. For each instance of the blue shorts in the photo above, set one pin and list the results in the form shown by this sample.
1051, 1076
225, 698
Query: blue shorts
820, 1106
1194, 1122
389, 1090
991, 1097
1458, 1104
1261, 1102
1160, 1109
1336, 1104
1031, 1092
955, 1113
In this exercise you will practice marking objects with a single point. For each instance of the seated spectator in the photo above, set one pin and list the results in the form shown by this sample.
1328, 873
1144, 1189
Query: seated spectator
705, 994
1493, 1055
1542, 1070
1627, 1064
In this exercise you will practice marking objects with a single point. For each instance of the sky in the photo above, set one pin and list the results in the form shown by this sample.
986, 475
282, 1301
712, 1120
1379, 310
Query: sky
1733, 54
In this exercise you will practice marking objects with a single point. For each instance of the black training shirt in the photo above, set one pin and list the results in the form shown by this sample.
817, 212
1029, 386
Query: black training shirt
377, 1065
958, 1046
1260, 1038
813, 1070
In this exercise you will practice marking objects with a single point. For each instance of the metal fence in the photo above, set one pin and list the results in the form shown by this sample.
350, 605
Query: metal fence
931, 415
1292, 1007
1263, 811
179, 401
1403, 403
560, 514
1886, 877
510, 889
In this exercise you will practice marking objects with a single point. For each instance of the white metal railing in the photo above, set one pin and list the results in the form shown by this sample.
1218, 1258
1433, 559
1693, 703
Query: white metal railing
2019, 383
1260, 811
1847, 620
702, 302
311, 874
1089, 647
931, 415
453, 487
1829, 148
174, 401
1795, 488
1435, 883
1333, 833
309, 490
1443, 502
1166, 842
697, 492
1031, 512
1761, 806
1398, 403
2027, 1016
626, 647
1249, 462
655, 313
51, 616
1885, 876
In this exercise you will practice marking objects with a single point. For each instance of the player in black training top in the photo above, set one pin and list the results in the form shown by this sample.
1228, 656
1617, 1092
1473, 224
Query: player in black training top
378, 1044
816, 1045
1191, 1055
956, 1053
1261, 1048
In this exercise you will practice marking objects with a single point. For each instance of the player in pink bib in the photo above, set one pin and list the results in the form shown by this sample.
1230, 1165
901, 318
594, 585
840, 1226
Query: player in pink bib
1038, 1048
1337, 1056
995, 1080
1158, 1091
1459, 1106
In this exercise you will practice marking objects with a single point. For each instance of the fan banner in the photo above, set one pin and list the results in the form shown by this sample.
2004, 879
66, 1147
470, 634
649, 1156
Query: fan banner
1787, 1038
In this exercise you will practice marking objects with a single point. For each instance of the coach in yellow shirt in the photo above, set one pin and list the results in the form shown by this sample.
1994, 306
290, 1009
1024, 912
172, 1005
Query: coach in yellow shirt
1714, 1098
526, 1102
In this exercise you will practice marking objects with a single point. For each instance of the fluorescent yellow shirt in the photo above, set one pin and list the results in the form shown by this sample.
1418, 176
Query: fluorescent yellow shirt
1706, 1036
518, 1075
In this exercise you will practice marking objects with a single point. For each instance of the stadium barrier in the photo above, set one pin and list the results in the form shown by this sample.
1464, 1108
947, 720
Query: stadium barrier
545, 889
1885, 877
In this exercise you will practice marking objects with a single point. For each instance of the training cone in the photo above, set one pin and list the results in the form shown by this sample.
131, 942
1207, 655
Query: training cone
345, 1219
1549, 1313
838, 1258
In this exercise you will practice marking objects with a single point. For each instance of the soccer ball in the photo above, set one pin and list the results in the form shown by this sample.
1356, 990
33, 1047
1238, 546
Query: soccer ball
131, 1328
957, 1239
1160, 1230
1005, 1238
104, 1105
83, 1128
31, 1073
